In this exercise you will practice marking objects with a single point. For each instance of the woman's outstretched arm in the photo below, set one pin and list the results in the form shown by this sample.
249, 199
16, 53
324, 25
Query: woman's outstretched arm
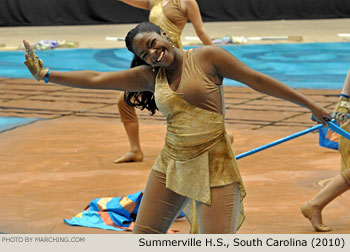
136, 79
194, 15
346, 87
228, 66
341, 110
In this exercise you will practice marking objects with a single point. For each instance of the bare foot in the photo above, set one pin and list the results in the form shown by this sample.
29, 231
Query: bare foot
130, 157
315, 217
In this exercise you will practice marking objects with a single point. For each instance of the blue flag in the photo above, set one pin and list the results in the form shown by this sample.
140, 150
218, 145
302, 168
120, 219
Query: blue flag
328, 138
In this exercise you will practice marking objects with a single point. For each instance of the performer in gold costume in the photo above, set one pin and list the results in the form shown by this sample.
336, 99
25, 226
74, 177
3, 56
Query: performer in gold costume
197, 163
171, 16
341, 183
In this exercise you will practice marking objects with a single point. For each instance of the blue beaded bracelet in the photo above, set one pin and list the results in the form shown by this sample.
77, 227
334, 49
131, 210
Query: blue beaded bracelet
47, 76
344, 95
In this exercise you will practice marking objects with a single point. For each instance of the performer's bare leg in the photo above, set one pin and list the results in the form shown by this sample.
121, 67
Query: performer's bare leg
129, 118
135, 153
313, 208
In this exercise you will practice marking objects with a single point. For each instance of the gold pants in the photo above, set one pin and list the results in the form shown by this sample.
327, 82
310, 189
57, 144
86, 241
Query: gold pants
160, 207
127, 113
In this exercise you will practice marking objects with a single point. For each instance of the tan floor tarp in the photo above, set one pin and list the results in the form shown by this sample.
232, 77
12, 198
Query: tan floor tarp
51, 169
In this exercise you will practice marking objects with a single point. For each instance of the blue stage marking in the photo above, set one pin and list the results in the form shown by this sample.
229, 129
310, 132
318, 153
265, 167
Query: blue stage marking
7, 123
302, 65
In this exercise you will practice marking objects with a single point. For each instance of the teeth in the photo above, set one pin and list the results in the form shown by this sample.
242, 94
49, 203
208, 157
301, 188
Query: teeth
160, 56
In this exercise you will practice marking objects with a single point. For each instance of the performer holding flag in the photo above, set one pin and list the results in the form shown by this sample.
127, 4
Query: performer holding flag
341, 183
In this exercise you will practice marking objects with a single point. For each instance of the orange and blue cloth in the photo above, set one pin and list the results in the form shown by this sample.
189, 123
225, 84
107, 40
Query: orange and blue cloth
117, 213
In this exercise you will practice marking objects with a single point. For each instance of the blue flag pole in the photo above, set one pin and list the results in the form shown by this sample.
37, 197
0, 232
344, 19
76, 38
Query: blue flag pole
331, 124
335, 127
279, 141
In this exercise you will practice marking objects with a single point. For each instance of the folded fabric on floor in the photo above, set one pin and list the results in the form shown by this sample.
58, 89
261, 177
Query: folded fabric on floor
117, 213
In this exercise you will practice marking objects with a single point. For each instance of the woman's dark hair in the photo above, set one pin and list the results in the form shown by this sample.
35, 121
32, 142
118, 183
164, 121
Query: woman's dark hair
143, 27
142, 100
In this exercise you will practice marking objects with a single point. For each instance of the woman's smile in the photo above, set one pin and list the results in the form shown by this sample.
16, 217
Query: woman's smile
161, 56
153, 49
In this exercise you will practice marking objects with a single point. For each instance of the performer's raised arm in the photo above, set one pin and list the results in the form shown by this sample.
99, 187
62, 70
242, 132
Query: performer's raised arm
228, 66
136, 79
342, 108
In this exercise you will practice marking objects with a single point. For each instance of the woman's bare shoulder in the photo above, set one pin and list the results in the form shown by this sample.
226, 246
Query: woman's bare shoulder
143, 74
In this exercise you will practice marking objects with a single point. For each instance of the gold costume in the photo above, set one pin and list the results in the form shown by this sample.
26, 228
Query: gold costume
159, 15
197, 153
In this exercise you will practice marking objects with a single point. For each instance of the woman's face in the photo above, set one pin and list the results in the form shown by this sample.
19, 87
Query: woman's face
154, 49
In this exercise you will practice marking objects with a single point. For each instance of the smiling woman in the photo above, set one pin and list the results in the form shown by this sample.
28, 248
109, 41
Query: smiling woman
197, 163
171, 16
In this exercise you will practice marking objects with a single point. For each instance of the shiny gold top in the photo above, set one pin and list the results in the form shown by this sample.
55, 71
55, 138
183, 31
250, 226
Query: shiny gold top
197, 153
159, 15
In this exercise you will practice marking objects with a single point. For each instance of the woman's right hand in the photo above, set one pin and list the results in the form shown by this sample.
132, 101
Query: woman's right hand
32, 62
320, 115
